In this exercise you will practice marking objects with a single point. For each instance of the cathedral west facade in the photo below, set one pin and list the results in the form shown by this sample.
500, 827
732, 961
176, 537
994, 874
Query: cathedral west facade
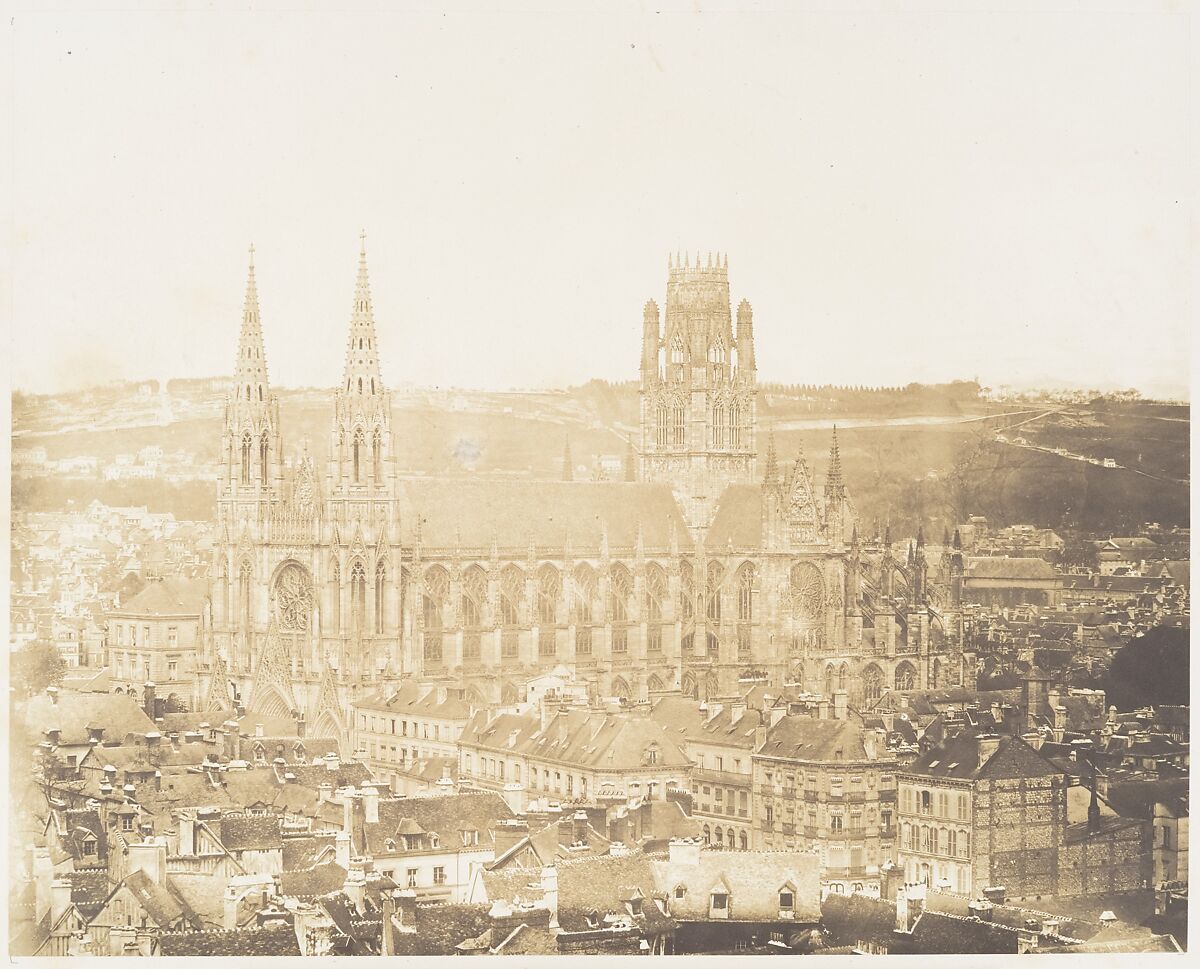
708, 572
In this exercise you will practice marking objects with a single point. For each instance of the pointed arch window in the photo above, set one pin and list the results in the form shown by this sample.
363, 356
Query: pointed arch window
245, 580
718, 425
247, 447
359, 447
677, 359
335, 597
264, 449
436, 584
474, 595
512, 586
260, 395
549, 588
656, 591
358, 596
662, 428
716, 575
377, 454
582, 606
746, 594
687, 592
677, 424
360, 386
380, 594
620, 592
735, 425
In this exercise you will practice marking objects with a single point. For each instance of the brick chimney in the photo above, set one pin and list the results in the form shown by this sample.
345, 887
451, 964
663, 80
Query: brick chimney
148, 700
840, 705
406, 910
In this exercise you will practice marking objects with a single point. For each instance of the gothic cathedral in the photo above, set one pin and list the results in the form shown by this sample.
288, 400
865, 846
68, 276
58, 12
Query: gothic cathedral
702, 576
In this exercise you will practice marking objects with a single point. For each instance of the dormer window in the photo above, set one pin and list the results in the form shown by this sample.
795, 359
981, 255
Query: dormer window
389, 844
434, 841
680, 891
89, 846
593, 919
718, 905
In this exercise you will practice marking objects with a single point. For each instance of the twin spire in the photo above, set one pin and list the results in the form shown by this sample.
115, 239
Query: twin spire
250, 372
362, 377
362, 374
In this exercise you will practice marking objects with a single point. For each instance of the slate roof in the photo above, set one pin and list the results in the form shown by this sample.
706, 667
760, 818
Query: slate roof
446, 815
602, 741
414, 699
1009, 568
161, 904
753, 880
167, 597
683, 719
801, 737
477, 512
78, 827
74, 712
958, 757
273, 941
1136, 799
738, 518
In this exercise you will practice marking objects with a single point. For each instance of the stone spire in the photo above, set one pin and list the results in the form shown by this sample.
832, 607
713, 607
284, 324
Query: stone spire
568, 471
834, 483
771, 476
630, 461
362, 376
745, 335
250, 373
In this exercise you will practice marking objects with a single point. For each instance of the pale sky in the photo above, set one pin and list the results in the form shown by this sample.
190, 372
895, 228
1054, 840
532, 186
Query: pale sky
903, 196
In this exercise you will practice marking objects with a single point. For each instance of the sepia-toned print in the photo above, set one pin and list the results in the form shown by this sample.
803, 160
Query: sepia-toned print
693, 602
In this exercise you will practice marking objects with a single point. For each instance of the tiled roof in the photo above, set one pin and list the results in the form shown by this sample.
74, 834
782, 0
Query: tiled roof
168, 597
850, 919
302, 852
273, 941
250, 833
752, 880
1009, 568
89, 890
351, 774
478, 513
318, 880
